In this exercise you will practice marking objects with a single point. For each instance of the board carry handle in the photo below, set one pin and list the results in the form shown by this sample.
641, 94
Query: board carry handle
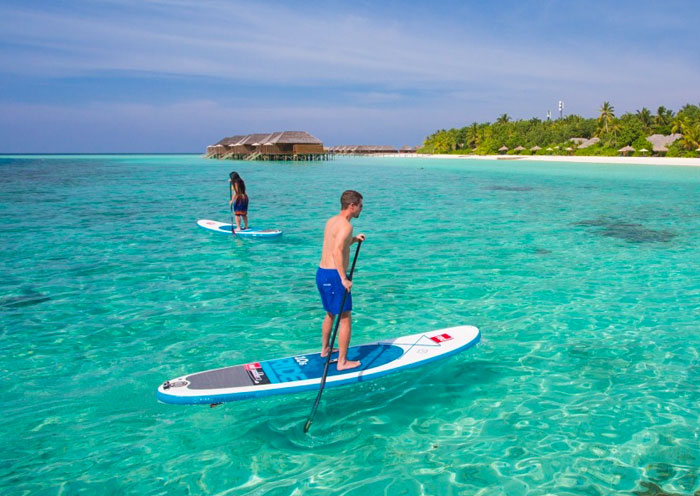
307, 426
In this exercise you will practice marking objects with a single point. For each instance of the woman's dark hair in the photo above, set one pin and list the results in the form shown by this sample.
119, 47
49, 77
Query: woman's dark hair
239, 186
234, 176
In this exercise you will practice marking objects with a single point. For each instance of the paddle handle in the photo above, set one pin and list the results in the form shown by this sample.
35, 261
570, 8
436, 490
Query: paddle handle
307, 426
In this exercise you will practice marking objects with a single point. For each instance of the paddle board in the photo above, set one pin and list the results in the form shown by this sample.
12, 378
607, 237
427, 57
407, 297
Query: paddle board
223, 228
304, 372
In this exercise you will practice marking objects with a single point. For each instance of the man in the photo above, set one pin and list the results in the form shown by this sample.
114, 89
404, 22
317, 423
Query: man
331, 276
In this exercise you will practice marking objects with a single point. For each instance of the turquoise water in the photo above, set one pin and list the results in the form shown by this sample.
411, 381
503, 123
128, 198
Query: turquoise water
582, 278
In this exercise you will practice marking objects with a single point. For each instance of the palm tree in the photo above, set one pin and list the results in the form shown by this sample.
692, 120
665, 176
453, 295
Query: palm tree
503, 119
679, 124
645, 118
691, 137
663, 116
607, 114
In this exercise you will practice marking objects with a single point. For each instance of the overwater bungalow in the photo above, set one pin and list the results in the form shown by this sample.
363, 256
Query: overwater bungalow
366, 149
281, 145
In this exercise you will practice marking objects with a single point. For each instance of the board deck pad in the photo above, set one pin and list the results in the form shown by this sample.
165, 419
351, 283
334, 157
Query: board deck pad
304, 372
225, 228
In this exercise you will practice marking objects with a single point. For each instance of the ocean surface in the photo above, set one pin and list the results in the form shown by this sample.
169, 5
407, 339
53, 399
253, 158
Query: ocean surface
583, 279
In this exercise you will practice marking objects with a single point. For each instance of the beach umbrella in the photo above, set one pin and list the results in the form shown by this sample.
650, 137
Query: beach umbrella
519, 149
626, 149
535, 148
568, 148
504, 148
549, 150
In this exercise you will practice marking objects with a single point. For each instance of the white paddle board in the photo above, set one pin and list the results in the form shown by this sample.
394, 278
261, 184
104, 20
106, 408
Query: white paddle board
304, 372
221, 227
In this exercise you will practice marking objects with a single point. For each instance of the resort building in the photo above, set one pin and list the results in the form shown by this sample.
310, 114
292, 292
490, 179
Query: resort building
584, 142
363, 149
660, 142
281, 145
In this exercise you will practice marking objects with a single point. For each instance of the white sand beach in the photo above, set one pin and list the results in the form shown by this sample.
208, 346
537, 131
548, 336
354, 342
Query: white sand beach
675, 161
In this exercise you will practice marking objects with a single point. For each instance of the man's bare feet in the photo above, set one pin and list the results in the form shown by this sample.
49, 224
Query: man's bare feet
324, 352
348, 364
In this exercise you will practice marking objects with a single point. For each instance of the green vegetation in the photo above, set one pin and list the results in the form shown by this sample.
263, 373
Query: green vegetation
555, 136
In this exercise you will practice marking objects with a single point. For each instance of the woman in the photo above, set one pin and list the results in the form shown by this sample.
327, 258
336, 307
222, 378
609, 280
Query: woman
238, 200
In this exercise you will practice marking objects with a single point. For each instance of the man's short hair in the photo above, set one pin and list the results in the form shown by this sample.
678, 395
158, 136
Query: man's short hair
349, 197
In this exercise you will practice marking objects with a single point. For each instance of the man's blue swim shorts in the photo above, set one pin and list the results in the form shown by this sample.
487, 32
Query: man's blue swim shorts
332, 291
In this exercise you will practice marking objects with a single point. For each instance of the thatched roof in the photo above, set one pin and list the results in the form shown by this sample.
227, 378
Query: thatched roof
586, 142
231, 140
578, 141
279, 137
369, 149
626, 149
504, 148
252, 139
519, 148
407, 148
293, 137
535, 148
660, 142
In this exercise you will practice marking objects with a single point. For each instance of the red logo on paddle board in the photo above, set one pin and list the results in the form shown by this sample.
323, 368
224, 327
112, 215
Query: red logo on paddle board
256, 374
441, 338
210, 223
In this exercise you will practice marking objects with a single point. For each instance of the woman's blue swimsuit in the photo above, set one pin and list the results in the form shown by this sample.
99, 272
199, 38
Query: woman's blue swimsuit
240, 206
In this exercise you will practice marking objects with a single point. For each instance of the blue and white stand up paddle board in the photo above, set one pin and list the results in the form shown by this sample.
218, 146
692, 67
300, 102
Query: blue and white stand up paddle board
304, 372
221, 227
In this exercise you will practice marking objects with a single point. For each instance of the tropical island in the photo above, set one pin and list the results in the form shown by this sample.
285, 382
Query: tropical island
638, 134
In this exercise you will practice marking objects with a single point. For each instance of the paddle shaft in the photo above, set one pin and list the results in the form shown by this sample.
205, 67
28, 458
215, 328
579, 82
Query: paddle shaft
307, 426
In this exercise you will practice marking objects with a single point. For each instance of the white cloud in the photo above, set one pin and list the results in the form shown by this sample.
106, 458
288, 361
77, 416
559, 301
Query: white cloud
275, 44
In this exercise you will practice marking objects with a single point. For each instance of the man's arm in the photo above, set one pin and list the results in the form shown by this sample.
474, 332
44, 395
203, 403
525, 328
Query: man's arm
339, 248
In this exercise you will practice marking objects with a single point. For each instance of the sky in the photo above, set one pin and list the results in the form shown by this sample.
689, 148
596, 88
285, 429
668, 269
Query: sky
174, 76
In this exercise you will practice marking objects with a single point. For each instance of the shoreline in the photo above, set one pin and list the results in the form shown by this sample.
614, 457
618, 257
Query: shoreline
675, 161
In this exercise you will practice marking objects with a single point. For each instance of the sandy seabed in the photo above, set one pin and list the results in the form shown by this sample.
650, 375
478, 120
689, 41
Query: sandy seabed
676, 161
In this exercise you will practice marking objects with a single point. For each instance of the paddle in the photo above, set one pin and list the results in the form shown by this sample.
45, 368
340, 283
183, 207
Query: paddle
233, 226
307, 426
